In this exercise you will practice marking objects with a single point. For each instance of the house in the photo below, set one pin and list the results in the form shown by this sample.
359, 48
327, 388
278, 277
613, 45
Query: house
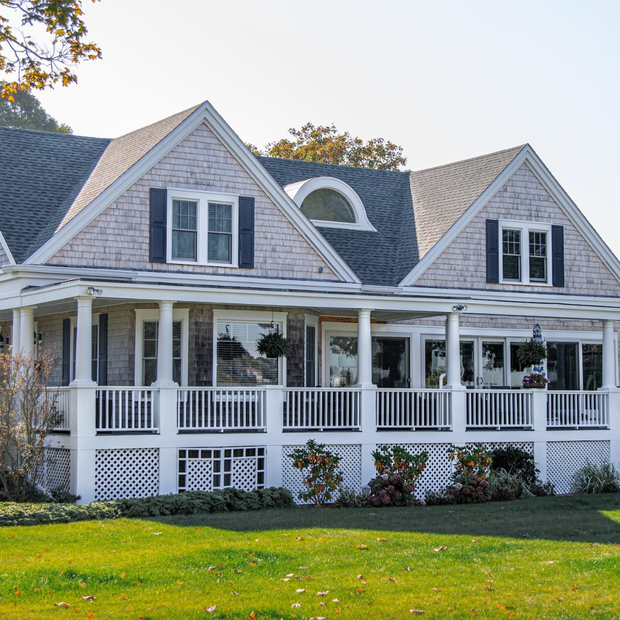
153, 262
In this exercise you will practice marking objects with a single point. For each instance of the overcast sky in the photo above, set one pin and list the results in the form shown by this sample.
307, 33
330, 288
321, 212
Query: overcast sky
445, 79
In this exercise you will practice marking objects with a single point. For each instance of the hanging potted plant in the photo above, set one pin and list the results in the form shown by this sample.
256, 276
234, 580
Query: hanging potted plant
530, 354
273, 344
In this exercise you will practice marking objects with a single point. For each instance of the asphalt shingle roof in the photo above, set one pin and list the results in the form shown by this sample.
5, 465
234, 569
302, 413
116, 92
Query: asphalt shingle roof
40, 176
47, 179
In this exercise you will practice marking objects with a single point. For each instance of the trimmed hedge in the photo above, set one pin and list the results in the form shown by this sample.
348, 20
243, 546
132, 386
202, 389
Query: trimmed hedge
189, 503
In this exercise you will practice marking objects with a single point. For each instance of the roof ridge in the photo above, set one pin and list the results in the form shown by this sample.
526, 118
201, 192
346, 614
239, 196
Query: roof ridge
320, 163
55, 134
517, 149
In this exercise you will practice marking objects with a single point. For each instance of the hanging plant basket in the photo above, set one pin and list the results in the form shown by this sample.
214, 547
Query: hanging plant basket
273, 344
531, 352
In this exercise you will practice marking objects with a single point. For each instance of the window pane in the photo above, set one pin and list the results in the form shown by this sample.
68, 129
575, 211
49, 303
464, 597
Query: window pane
592, 366
328, 205
310, 355
220, 248
562, 366
149, 354
184, 229
342, 361
220, 218
390, 362
435, 362
517, 370
511, 250
183, 245
238, 362
538, 256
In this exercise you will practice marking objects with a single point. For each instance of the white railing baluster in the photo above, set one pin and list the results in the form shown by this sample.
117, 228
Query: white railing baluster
577, 409
321, 409
126, 409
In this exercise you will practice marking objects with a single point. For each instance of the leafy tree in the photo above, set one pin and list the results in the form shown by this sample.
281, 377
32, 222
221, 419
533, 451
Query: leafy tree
326, 145
25, 112
38, 62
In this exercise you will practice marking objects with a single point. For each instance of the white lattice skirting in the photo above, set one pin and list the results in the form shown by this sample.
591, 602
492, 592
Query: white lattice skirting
209, 469
564, 458
57, 469
350, 466
132, 472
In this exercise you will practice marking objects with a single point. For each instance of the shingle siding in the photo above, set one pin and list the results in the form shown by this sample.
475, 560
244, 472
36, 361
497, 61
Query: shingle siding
119, 237
463, 263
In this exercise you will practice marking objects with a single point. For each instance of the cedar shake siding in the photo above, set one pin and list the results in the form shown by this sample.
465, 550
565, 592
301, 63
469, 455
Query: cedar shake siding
523, 198
119, 237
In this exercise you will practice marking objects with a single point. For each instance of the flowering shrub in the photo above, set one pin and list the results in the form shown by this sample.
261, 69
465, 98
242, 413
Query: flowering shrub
471, 472
397, 474
321, 471
535, 380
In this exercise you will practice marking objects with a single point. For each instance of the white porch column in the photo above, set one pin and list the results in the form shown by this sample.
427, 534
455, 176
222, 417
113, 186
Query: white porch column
16, 333
453, 352
609, 356
26, 331
84, 342
164, 345
364, 349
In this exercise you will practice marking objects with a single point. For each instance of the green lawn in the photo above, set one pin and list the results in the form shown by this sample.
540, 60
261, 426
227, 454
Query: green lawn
542, 558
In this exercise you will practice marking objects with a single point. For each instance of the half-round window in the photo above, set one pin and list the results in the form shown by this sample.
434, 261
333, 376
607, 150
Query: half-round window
328, 205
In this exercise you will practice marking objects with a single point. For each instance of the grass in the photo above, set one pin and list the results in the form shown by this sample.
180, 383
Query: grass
542, 558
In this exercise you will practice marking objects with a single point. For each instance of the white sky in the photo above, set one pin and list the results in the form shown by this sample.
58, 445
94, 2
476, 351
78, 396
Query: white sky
445, 79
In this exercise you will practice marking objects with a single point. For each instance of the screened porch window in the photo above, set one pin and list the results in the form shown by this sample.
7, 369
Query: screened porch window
238, 362
149, 359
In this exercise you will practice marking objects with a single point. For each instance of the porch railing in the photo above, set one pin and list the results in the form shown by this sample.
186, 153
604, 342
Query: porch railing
321, 409
413, 409
221, 409
499, 409
577, 409
129, 409
62, 401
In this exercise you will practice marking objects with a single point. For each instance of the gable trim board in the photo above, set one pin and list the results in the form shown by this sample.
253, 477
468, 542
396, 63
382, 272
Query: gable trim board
528, 157
205, 113
6, 249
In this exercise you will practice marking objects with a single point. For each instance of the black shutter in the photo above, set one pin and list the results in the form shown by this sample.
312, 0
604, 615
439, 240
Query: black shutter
103, 349
159, 208
246, 232
66, 351
493, 251
557, 248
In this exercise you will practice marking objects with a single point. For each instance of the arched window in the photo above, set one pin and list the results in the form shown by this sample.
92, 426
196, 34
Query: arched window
330, 203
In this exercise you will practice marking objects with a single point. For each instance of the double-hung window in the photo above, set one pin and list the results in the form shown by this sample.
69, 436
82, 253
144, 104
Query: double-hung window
525, 251
204, 228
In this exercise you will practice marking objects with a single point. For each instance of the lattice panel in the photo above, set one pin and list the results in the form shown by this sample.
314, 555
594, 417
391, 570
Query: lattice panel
126, 473
350, 466
436, 476
564, 458
57, 469
208, 469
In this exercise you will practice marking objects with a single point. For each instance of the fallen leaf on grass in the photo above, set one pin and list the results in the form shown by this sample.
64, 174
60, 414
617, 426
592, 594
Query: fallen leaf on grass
437, 589
155, 533
417, 611
323, 593
489, 588
408, 569
392, 580
360, 576
300, 590
439, 549
361, 547
299, 538
296, 605
210, 568
475, 540
234, 593
252, 615
382, 539
286, 579
335, 600
303, 568
89, 597
236, 570
290, 575
61, 604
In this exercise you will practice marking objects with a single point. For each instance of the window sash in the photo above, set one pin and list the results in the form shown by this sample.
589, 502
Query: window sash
184, 230
219, 233
511, 251
538, 256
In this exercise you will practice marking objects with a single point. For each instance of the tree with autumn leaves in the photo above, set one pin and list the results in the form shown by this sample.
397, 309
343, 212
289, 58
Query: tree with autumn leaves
38, 61
325, 144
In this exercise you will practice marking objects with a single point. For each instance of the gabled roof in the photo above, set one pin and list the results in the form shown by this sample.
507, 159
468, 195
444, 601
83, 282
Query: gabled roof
442, 194
382, 257
40, 176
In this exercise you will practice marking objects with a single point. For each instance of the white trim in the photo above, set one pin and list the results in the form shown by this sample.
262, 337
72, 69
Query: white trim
178, 314
207, 114
7, 250
311, 320
72, 345
202, 226
246, 316
525, 228
302, 189
530, 158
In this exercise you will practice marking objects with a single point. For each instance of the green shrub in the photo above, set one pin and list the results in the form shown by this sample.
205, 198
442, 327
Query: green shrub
349, 498
470, 482
435, 498
321, 472
506, 486
515, 461
37, 514
592, 478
